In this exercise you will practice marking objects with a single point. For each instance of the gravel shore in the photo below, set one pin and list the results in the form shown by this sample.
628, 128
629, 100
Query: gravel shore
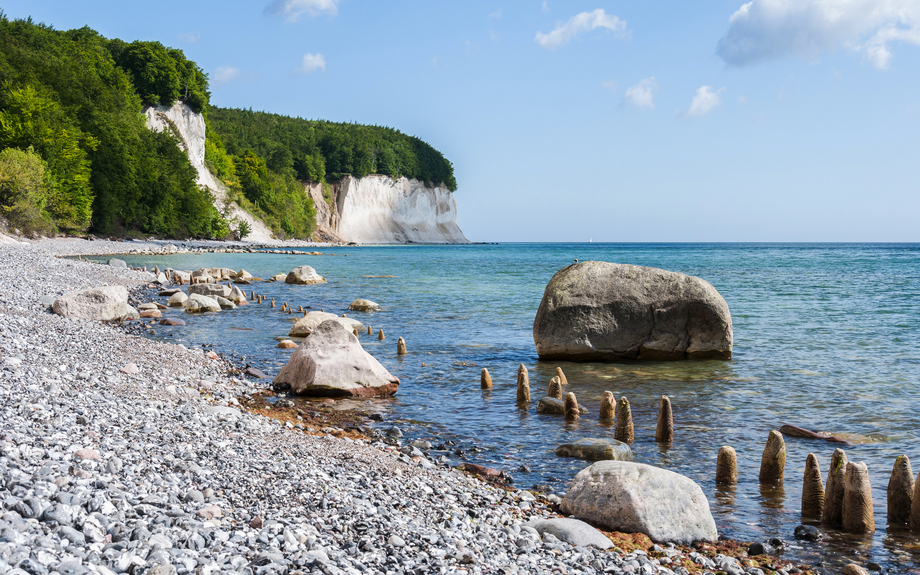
160, 472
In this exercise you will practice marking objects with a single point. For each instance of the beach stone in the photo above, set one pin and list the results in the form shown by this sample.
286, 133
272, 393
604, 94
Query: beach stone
168, 292
198, 303
130, 369
151, 314
146, 306
106, 303
572, 531
210, 512
304, 275
331, 362
178, 299
854, 569
286, 344
627, 497
171, 321
553, 406
278, 278
807, 533
305, 325
599, 311
209, 290
595, 449
364, 305
117, 263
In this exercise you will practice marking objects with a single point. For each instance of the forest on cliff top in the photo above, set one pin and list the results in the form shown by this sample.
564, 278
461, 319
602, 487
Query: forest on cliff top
76, 156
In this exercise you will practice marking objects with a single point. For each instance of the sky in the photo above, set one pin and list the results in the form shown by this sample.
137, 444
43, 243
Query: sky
611, 121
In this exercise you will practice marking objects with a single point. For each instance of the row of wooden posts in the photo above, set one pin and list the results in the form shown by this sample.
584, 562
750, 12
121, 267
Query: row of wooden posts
845, 501
610, 409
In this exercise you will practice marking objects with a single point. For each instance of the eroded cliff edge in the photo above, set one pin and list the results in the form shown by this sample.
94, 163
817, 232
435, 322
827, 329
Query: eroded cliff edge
379, 209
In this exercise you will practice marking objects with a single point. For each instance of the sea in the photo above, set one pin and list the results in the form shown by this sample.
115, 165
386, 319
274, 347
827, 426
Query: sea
826, 337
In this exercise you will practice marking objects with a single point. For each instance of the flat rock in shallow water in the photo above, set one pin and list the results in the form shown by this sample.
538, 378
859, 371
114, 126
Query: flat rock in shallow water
304, 275
198, 303
364, 305
552, 406
596, 450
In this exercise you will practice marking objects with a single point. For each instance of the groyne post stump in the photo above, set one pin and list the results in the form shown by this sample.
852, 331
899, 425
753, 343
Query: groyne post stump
624, 430
664, 433
561, 376
773, 461
380, 336
370, 331
400, 346
571, 407
555, 388
727, 466
833, 490
523, 384
857, 500
608, 411
485, 380
900, 491
812, 489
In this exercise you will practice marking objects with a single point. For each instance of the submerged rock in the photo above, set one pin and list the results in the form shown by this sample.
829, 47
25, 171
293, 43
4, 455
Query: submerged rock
198, 303
305, 325
594, 449
599, 311
552, 406
331, 362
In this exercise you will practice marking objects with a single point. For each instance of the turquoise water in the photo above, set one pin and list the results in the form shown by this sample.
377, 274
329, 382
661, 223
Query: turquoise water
827, 337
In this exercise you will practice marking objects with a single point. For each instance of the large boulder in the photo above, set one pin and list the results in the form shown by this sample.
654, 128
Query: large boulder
177, 299
197, 303
210, 290
332, 363
106, 303
596, 449
598, 311
304, 275
305, 325
638, 498
364, 305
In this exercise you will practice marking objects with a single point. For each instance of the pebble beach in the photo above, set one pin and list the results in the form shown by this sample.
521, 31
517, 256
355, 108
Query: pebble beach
107, 468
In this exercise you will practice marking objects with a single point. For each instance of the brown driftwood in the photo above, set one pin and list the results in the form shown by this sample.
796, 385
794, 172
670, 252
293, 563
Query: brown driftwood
793, 431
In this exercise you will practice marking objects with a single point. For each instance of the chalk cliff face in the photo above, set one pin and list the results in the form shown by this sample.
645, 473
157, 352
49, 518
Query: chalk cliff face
189, 128
381, 210
371, 210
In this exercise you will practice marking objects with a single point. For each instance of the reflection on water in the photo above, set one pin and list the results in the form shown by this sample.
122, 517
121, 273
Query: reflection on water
827, 338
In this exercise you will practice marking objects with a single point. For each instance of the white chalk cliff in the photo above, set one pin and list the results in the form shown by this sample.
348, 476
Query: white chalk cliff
378, 209
188, 127
372, 210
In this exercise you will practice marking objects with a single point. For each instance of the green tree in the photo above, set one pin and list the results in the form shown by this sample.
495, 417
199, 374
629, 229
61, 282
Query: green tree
25, 186
153, 72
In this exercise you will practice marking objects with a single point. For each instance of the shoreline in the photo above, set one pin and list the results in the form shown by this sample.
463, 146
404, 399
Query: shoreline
156, 442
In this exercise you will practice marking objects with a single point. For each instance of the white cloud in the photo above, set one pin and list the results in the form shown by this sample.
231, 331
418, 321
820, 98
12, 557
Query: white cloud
310, 64
497, 15
642, 94
705, 100
292, 10
766, 29
579, 24
189, 38
222, 75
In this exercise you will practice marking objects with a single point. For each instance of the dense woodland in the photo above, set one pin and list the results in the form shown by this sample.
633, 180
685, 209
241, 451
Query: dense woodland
75, 155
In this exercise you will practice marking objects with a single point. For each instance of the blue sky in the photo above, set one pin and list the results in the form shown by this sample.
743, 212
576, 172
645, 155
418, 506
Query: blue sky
775, 120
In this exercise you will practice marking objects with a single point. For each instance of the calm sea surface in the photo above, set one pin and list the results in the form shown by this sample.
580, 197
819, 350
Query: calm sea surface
827, 337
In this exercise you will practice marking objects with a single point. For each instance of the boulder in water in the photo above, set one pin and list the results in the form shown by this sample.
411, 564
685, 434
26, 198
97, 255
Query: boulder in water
628, 497
594, 449
364, 305
305, 325
332, 363
209, 290
552, 406
304, 275
106, 303
599, 311
177, 299
198, 303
